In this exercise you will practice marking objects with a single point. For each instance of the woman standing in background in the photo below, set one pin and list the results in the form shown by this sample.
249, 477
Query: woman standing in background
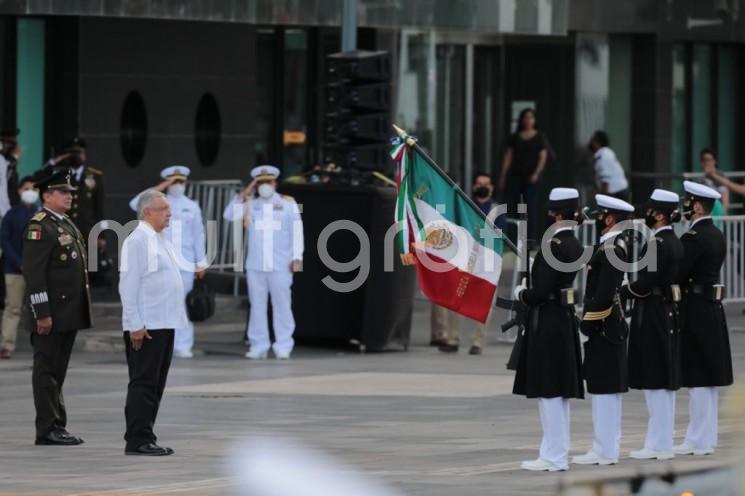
522, 167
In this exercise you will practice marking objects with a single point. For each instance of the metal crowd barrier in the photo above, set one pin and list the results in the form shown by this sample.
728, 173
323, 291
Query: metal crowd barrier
733, 269
214, 196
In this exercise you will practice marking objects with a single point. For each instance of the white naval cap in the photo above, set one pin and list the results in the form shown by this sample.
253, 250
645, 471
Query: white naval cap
613, 204
563, 194
701, 191
263, 172
563, 198
176, 172
665, 196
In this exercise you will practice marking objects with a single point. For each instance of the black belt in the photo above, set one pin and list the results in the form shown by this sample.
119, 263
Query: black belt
669, 293
558, 296
714, 292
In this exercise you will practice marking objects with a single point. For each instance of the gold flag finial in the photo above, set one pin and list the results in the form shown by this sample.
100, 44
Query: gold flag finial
401, 133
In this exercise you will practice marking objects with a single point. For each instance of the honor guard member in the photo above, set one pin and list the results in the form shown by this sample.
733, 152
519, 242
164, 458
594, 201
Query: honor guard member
654, 336
54, 266
605, 364
705, 348
186, 233
549, 366
87, 201
275, 252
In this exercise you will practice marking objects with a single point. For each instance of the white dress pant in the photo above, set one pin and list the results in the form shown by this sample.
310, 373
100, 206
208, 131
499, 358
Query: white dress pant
184, 339
703, 417
661, 425
555, 420
606, 421
261, 285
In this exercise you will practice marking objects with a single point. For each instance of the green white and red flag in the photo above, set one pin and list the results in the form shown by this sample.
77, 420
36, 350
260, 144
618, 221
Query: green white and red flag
457, 250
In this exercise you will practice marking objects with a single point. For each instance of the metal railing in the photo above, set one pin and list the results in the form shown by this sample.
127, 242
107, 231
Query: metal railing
213, 197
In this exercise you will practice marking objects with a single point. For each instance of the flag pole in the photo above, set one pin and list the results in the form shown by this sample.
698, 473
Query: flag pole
411, 142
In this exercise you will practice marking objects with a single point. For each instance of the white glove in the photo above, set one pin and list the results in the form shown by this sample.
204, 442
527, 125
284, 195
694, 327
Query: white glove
519, 289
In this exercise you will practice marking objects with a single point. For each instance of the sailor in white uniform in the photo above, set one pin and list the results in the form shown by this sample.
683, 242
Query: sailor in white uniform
186, 230
274, 252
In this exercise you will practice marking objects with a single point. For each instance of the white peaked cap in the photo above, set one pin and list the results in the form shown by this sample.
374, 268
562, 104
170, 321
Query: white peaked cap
558, 194
701, 190
175, 170
612, 203
665, 196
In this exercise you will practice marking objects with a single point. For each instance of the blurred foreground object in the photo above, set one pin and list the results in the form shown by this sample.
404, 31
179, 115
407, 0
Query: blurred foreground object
276, 467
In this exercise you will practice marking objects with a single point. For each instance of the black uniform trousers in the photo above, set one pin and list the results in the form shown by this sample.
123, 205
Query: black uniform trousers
148, 371
51, 357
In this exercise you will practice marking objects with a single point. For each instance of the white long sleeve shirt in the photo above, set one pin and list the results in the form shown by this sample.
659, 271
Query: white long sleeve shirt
150, 284
274, 234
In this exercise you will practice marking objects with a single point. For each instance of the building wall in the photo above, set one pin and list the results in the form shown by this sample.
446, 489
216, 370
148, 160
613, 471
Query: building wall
171, 64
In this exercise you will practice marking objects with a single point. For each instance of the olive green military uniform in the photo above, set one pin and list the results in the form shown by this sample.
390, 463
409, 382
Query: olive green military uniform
54, 266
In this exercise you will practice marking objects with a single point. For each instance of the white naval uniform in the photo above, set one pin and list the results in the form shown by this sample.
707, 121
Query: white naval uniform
274, 238
186, 233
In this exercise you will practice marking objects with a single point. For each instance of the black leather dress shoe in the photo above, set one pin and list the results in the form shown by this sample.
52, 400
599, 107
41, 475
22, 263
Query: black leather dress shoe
149, 449
448, 348
58, 438
475, 350
438, 342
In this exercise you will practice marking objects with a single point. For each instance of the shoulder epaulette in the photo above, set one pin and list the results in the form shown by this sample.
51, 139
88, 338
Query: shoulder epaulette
691, 232
39, 216
288, 197
658, 239
556, 240
95, 171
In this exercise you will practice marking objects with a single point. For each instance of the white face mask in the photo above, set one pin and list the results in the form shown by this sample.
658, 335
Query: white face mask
29, 196
266, 190
177, 189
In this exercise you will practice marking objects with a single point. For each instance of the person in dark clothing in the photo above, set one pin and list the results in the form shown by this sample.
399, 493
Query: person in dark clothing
549, 365
522, 167
605, 365
704, 344
654, 336
11, 242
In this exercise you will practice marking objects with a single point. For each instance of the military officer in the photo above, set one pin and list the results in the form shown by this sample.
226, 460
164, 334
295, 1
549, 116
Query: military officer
275, 252
87, 202
654, 336
605, 364
705, 348
54, 266
549, 366
186, 231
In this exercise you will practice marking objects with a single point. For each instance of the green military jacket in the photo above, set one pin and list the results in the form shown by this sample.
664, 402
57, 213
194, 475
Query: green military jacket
55, 269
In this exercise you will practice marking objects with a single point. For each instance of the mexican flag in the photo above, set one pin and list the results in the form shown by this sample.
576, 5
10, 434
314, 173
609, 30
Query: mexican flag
457, 252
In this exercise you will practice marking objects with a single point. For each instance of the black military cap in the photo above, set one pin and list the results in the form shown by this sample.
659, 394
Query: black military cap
55, 180
75, 145
9, 134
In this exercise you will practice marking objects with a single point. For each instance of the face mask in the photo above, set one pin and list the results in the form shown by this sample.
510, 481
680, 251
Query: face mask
266, 190
600, 225
688, 212
649, 220
177, 189
75, 161
481, 192
29, 196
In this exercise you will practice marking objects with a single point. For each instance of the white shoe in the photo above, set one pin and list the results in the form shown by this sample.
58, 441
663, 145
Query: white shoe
255, 355
183, 354
592, 458
649, 454
540, 466
282, 356
686, 449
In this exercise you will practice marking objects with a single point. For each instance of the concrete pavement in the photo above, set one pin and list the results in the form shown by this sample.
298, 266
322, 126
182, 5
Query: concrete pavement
422, 422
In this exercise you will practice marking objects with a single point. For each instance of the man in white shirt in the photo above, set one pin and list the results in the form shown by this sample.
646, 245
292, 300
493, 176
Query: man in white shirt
152, 294
275, 252
610, 177
186, 233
